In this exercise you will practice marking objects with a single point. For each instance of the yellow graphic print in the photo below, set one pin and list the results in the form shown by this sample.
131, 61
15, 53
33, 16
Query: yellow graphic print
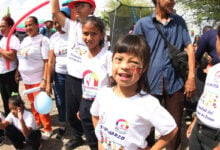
209, 99
23, 53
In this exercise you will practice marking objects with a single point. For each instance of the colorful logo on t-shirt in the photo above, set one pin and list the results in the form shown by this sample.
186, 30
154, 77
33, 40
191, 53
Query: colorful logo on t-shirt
23, 53
209, 100
121, 126
62, 52
90, 85
90, 78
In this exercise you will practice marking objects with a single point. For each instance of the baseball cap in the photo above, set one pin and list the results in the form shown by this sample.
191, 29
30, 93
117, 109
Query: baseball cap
91, 2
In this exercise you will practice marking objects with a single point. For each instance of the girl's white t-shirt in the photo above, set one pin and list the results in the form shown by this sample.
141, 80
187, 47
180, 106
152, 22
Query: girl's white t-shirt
76, 47
126, 122
208, 107
58, 44
28, 119
96, 72
14, 45
31, 55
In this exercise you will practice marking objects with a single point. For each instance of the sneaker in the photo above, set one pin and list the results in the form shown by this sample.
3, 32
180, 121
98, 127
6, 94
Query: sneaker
60, 134
2, 140
39, 126
46, 135
73, 143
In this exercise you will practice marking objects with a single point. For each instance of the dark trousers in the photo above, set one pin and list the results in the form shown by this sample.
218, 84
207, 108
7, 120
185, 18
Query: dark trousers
174, 104
203, 138
59, 91
2, 132
73, 95
17, 138
87, 124
7, 86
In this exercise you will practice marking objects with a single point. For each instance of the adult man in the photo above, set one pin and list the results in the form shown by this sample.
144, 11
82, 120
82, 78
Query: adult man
207, 44
164, 82
47, 29
76, 48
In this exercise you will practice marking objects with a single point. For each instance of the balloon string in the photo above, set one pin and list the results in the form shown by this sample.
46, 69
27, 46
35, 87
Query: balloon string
14, 26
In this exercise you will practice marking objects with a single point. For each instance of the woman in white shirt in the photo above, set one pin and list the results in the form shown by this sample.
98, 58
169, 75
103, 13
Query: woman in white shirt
8, 62
32, 58
57, 69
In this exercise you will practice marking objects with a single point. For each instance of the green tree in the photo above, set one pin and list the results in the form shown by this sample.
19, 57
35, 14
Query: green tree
204, 9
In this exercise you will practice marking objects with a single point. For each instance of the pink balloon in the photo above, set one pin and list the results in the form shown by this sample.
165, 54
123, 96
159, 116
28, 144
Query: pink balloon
14, 26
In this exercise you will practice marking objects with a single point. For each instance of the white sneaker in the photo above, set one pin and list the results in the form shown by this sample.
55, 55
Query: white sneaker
46, 135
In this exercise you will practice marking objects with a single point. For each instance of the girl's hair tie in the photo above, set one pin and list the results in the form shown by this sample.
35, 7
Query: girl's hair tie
14, 94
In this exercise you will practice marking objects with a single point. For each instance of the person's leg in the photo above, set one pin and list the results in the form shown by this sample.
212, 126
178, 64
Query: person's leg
194, 142
174, 104
31, 99
87, 124
73, 95
7, 86
34, 139
60, 102
209, 138
15, 136
44, 118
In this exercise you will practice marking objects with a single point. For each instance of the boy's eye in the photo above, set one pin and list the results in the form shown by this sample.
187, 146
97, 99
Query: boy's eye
118, 59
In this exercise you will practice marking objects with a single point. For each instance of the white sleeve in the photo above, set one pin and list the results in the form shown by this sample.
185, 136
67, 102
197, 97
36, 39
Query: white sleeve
45, 47
164, 123
66, 26
9, 118
14, 43
29, 121
94, 110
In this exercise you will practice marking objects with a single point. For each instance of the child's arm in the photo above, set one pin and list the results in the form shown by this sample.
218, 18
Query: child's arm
95, 120
24, 129
164, 140
217, 147
3, 124
56, 12
189, 130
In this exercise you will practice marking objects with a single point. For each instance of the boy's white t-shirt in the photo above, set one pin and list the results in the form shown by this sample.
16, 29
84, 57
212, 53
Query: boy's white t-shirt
28, 119
14, 45
126, 122
31, 55
58, 43
96, 72
76, 47
208, 107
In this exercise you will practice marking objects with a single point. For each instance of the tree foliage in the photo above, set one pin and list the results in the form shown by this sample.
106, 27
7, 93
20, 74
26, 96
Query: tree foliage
204, 9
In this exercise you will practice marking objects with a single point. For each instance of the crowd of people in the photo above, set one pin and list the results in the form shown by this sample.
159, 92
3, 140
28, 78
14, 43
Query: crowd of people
116, 99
